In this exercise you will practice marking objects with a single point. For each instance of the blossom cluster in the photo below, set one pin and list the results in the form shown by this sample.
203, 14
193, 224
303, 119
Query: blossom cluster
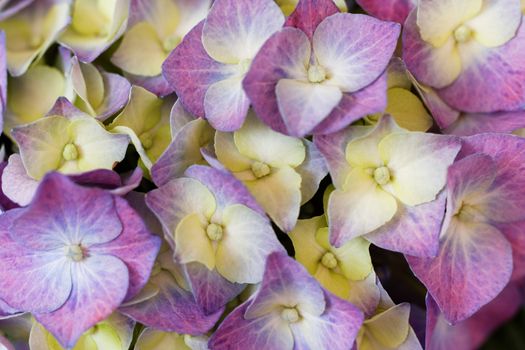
198, 174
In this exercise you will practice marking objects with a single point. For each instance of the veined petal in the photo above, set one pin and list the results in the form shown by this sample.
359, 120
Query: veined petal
235, 30
99, 283
392, 10
258, 142
286, 283
473, 266
418, 163
248, 240
303, 105
24, 266
308, 15
354, 49
359, 209
226, 104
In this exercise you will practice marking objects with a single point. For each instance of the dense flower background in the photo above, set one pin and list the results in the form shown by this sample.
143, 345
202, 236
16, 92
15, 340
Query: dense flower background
259, 174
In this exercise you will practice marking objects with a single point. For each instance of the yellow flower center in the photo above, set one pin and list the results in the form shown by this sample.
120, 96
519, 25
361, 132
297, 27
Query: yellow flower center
146, 140
382, 175
260, 169
316, 74
462, 34
468, 213
70, 152
290, 314
329, 260
75, 252
214, 232
156, 269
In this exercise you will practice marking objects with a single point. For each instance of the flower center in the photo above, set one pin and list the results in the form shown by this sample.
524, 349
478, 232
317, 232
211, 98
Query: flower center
316, 74
170, 43
156, 269
260, 169
290, 314
468, 213
329, 260
70, 152
75, 252
214, 232
382, 175
146, 140
462, 34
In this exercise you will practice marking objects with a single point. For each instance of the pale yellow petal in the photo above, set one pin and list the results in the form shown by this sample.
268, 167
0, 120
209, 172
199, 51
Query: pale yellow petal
408, 110
191, 242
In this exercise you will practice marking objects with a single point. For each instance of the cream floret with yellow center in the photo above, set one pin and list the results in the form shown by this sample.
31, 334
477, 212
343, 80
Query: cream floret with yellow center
229, 238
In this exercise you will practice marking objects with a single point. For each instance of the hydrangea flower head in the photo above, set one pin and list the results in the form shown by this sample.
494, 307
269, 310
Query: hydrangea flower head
384, 176
457, 46
290, 310
71, 251
207, 69
482, 227
215, 227
281, 172
310, 76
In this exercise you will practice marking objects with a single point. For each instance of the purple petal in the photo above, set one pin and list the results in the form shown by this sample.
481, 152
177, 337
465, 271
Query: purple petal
183, 151
238, 333
478, 123
312, 171
473, 266
504, 67
336, 329
100, 283
284, 55
413, 230
5, 202
210, 289
286, 282
135, 246
508, 152
63, 213
369, 100
65, 108
173, 309
13, 7
309, 13
514, 234
355, 49
118, 91
226, 188
191, 71
17, 186
3, 78
157, 85
38, 281
226, 104
389, 10
471, 333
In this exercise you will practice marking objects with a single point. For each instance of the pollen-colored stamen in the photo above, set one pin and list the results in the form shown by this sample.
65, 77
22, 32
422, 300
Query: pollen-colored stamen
462, 34
260, 169
329, 260
382, 175
214, 232
468, 213
316, 74
70, 152
290, 314
75, 252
